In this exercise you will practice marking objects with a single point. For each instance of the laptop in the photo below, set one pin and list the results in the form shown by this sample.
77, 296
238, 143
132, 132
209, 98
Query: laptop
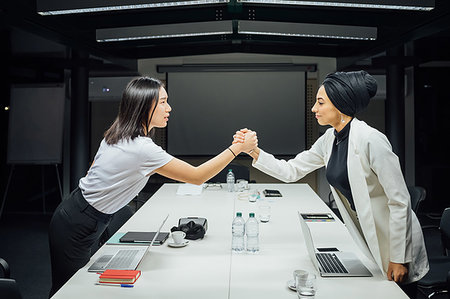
123, 257
331, 262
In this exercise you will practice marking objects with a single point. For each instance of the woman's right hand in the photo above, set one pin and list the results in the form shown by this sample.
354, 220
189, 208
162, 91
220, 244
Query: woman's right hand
247, 138
238, 137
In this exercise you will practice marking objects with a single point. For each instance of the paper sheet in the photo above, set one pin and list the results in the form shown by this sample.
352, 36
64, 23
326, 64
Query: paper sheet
189, 189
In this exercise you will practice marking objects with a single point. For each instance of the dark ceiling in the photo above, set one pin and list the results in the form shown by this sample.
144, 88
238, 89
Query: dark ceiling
429, 31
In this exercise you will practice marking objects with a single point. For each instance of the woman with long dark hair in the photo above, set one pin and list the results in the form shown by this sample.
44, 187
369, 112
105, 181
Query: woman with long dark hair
364, 176
126, 158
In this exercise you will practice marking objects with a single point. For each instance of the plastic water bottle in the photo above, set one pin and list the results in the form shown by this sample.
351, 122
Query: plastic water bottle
252, 231
230, 180
238, 229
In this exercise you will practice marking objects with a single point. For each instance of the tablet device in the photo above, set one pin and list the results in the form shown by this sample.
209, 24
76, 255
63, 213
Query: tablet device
318, 217
144, 237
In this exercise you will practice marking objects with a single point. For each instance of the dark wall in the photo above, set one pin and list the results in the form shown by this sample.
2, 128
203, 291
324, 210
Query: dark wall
5, 58
432, 123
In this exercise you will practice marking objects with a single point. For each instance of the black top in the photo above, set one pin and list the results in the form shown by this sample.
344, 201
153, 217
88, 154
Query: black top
337, 173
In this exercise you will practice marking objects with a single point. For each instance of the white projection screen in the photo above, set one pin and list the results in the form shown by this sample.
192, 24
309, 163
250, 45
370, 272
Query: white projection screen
209, 107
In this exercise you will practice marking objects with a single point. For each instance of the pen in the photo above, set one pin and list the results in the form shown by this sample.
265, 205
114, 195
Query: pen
115, 285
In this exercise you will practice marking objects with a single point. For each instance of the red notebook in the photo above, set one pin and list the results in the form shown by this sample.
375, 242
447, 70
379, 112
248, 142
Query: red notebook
119, 276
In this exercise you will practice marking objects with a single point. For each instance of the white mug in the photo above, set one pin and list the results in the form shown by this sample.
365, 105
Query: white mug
178, 236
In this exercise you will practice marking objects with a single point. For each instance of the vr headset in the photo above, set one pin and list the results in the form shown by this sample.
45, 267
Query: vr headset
194, 227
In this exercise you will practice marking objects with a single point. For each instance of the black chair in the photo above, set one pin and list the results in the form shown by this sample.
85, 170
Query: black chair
448, 284
418, 195
8, 286
436, 281
118, 219
240, 172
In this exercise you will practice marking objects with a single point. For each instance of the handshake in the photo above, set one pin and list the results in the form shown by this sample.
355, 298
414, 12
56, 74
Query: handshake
247, 138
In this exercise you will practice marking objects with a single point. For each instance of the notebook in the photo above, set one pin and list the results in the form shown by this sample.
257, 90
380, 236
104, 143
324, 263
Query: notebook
123, 257
332, 263
119, 276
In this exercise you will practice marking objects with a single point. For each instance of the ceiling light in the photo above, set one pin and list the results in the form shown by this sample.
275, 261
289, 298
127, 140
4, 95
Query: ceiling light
380, 4
51, 7
164, 31
307, 30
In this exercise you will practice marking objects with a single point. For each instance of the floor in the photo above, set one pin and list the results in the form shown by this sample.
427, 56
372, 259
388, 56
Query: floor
24, 245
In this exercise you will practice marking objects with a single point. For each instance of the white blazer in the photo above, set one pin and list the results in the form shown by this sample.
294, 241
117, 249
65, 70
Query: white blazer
383, 205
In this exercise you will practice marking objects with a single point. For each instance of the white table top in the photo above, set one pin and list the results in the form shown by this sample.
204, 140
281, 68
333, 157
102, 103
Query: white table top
208, 269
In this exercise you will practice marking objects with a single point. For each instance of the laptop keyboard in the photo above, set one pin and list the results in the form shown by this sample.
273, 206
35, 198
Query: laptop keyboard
123, 259
330, 263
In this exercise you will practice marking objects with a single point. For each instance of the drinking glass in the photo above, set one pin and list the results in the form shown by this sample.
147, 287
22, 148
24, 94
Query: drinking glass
306, 286
264, 213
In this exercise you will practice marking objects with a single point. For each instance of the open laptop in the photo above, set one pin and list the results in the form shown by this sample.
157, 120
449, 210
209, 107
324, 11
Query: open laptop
123, 257
332, 263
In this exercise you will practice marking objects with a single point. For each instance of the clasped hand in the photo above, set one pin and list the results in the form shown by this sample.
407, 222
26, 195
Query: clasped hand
247, 138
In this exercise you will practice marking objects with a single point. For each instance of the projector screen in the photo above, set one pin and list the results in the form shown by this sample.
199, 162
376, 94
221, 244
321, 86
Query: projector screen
36, 121
209, 107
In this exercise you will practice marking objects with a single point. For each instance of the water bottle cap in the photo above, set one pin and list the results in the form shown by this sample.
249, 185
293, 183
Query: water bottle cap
251, 214
230, 170
239, 214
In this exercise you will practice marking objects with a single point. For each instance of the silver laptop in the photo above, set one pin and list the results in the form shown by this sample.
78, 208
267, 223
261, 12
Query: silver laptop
122, 257
332, 263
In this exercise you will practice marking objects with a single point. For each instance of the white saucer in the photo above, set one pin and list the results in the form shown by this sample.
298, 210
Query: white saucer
291, 285
171, 243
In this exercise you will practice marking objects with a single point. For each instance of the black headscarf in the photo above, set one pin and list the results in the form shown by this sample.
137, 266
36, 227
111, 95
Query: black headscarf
350, 92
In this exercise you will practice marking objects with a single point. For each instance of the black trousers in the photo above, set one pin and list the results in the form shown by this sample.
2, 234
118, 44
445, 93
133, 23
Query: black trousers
75, 227
410, 289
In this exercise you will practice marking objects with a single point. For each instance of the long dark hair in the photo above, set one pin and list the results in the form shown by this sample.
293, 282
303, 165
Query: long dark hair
134, 116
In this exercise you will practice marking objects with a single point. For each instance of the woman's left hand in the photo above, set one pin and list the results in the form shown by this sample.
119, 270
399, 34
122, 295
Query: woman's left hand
397, 272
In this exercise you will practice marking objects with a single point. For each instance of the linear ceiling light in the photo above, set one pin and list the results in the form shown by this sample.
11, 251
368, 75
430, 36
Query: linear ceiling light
164, 31
58, 7
307, 30
381, 4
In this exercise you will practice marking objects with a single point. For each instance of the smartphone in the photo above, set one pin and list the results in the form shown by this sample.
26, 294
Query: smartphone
271, 193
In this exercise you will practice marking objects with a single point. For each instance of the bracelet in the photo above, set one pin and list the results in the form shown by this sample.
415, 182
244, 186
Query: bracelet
250, 152
232, 152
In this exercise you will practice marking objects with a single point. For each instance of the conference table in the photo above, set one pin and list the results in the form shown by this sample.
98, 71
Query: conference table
207, 268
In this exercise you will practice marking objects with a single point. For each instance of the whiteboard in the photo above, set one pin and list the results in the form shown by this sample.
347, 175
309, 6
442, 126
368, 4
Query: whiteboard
36, 121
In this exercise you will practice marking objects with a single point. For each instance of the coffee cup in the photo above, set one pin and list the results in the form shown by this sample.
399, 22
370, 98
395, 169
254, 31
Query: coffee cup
178, 236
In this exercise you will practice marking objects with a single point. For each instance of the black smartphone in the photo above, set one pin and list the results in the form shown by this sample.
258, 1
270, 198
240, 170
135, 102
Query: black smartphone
271, 193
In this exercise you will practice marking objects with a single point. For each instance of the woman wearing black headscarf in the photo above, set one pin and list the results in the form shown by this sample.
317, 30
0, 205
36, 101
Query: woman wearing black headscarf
364, 175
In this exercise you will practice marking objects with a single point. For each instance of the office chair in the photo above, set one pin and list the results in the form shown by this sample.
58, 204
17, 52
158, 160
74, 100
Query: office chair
240, 172
8, 286
448, 284
418, 195
437, 279
118, 219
